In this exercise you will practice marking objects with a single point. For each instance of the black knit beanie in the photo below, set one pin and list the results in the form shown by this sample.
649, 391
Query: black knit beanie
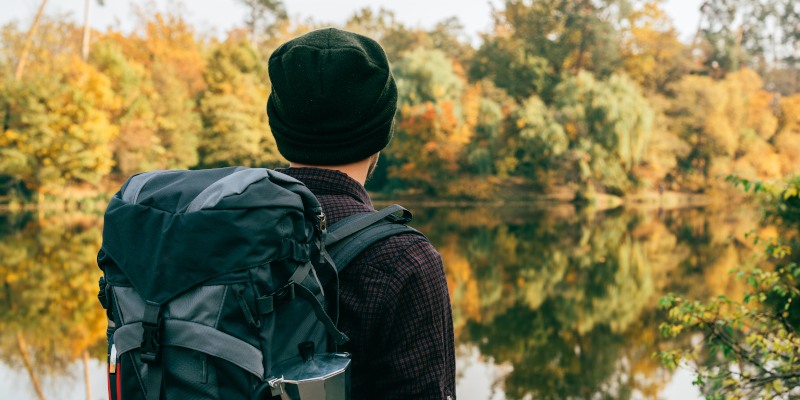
333, 98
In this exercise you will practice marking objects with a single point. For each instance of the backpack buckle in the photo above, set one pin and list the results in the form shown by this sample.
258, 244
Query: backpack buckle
151, 335
322, 221
283, 294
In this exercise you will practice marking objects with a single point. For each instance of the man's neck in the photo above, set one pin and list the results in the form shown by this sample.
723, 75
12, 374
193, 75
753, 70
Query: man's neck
357, 170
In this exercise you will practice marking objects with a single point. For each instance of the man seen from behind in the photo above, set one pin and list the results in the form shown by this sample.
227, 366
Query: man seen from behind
331, 111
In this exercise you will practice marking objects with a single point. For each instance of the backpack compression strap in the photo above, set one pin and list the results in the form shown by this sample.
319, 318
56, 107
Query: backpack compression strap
350, 236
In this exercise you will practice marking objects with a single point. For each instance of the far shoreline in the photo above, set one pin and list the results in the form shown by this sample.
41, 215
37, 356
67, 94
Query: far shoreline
81, 199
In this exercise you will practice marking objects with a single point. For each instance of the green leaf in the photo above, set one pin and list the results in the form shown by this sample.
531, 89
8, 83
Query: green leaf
664, 303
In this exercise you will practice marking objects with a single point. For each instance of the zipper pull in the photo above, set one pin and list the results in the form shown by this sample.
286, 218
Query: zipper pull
323, 222
112, 360
238, 290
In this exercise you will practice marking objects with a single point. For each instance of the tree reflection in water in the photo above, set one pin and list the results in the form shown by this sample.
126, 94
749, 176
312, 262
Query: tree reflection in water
564, 300
50, 315
568, 298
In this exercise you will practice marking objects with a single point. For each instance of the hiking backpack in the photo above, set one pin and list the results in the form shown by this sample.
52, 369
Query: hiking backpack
211, 277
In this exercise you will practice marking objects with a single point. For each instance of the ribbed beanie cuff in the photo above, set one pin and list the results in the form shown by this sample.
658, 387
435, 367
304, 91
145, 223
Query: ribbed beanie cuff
333, 98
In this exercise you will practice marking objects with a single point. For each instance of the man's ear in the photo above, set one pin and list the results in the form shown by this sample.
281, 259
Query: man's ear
373, 163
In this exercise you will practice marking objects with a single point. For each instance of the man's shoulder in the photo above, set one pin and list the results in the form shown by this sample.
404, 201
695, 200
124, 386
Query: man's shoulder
404, 253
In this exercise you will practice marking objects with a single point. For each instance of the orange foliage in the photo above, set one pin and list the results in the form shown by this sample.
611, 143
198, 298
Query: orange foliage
464, 294
167, 42
787, 141
760, 113
436, 130
790, 114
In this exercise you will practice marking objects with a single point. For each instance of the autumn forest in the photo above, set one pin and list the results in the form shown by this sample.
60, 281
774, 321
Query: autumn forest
537, 129
583, 97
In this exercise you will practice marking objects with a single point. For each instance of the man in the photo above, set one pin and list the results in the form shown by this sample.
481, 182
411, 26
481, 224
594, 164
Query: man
331, 110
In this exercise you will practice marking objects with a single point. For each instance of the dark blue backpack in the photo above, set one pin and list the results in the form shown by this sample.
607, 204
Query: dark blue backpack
211, 277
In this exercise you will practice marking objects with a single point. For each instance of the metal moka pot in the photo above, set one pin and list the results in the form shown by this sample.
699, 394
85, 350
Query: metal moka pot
324, 376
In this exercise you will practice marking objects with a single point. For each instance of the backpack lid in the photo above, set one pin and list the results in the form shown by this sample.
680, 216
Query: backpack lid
167, 231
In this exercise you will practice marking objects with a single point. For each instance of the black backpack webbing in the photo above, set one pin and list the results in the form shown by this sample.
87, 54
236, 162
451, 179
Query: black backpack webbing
350, 236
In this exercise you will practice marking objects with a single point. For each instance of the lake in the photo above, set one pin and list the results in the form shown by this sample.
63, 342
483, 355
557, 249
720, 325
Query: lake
548, 301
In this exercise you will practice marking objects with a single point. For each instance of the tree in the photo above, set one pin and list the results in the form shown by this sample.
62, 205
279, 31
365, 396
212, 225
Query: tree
137, 147
167, 41
432, 129
540, 141
749, 346
427, 76
489, 154
653, 56
156, 115
397, 39
163, 74
506, 62
730, 125
608, 124
58, 131
54, 38
759, 34
268, 12
787, 140
448, 35
235, 129
571, 35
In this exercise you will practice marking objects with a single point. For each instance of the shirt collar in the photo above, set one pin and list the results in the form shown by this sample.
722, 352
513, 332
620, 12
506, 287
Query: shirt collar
329, 182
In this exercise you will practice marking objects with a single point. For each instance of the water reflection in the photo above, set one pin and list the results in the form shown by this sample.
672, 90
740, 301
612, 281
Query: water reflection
568, 298
548, 302
49, 316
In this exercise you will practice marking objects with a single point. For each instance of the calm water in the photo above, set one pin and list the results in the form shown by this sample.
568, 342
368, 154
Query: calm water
548, 302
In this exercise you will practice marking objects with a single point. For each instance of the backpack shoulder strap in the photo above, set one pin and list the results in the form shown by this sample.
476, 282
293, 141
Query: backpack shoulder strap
347, 238
355, 223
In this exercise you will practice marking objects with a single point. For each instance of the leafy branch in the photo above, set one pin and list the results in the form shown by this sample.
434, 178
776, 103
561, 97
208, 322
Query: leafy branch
748, 348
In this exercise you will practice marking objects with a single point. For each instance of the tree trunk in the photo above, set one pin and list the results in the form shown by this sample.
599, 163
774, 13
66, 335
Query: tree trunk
583, 13
26, 48
86, 376
40, 203
87, 33
23, 351
695, 40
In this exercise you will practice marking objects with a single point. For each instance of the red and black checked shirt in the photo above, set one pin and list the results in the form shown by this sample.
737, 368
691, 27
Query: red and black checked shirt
394, 304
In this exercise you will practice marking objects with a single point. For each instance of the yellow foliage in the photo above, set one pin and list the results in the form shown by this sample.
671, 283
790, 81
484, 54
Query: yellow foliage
788, 145
53, 281
760, 115
464, 293
734, 126
718, 277
169, 40
790, 114
471, 107
787, 141
758, 159
651, 50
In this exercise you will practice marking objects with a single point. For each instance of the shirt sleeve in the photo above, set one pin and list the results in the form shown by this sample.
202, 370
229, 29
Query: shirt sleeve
418, 355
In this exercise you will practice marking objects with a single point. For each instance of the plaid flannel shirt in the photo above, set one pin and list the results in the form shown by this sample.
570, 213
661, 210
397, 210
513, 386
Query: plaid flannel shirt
394, 304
